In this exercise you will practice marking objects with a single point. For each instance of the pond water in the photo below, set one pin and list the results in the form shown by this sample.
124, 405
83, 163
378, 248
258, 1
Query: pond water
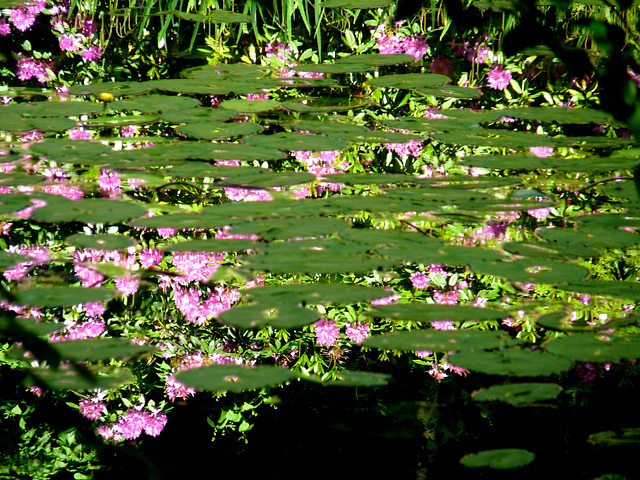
423, 289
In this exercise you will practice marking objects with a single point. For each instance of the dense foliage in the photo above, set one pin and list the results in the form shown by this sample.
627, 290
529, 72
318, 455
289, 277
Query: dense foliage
281, 233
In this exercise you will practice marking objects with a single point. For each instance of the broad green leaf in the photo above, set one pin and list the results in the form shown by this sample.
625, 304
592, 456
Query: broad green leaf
325, 105
219, 130
92, 349
558, 115
156, 104
10, 203
446, 255
625, 437
233, 378
117, 89
76, 151
377, 59
449, 91
97, 377
614, 288
282, 228
548, 250
594, 237
520, 363
501, 459
198, 115
63, 109
61, 296
314, 294
563, 322
91, 210
183, 220
328, 262
250, 106
424, 312
526, 270
409, 80
350, 378
212, 245
517, 393
101, 242
595, 347
530, 162
280, 315
439, 340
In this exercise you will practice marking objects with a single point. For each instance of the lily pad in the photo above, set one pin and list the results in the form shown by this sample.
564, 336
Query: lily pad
562, 321
69, 379
610, 288
595, 347
212, 245
350, 378
91, 210
439, 340
99, 349
61, 296
219, 131
278, 316
250, 106
424, 312
315, 294
101, 242
233, 378
517, 393
531, 270
501, 459
520, 363
409, 80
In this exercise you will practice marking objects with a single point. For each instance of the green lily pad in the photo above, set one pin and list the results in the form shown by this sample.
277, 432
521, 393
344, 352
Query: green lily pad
117, 89
590, 236
424, 312
520, 363
517, 393
99, 349
501, 459
315, 294
562, 321
449, 91
324, 262
250, 106
10, 203
198, 115
547, 250
558, 115
91, 210
409, 80
65, 150
183, 220
282, 228
156, 104
101, 242
350, 378
219, 131
595, 347
63, 109
439, 340
233, 378
531, 270
278, 316
324, 105
617, 289
61, 296
69, 379
212, 245
624, 437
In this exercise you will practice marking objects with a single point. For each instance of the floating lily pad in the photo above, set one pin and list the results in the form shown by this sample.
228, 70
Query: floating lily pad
61, 296
449, 91
212, 245
250, 106
156, 104
65, 150
91, 210
531, 270
183, 220
101, 242
324, 105
233, 378
10, 203
439, 340
558, 115
590, 236
328, 262
62, 109
280, 228
520, 363
424, 312
547, 250
350, 378
198, 115
117, 89
219, 131
501, 459
278, 316
315, 293
517, 393
69, 379
562, 321
99, 349
409, 80
624, 437
595, 347
617, 289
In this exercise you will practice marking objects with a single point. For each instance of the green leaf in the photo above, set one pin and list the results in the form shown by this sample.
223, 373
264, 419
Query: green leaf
101, 242
212, 245
424, 312
250, 106
282, 228
219, 131
595, 347
315, 294
527, 270
156, 104
324, 105
99, 349
350, 378
233, 378
617, 289
501, 459
117, 89
61, 296
517, 393
439, 340
520, 363
91, 210
409, 80
278, 316
562, 321
96, 377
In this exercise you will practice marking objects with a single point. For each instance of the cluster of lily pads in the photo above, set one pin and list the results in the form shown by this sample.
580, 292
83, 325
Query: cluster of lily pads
343, 254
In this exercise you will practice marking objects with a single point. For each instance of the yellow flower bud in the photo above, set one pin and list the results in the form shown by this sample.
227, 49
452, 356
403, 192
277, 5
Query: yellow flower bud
106, 97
